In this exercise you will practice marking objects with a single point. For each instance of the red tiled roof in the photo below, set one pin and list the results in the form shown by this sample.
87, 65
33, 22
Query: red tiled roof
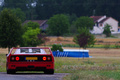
40, 22
96, 18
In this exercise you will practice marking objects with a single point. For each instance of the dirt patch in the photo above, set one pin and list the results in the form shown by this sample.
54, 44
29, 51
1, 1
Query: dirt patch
105, 52
3, 50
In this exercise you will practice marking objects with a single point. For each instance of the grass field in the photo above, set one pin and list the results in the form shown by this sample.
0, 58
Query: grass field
104, 65
99, 68
69, 40
2, 62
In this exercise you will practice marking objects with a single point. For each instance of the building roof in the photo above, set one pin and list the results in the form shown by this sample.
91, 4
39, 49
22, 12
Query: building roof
96, 18
101, 19
104, 20
40, 22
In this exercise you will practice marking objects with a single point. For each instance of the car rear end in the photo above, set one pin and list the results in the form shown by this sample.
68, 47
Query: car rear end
30, 62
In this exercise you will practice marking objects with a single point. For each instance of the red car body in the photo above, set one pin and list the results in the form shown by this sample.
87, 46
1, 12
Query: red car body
30, 59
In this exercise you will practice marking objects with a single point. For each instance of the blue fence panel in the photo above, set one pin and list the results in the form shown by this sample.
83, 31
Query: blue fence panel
71, 53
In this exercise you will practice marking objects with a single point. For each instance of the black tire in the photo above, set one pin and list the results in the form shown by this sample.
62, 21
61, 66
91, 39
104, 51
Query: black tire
11, 71
51, 71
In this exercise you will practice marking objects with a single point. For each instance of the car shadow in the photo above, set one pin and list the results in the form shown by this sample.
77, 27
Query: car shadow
28, 73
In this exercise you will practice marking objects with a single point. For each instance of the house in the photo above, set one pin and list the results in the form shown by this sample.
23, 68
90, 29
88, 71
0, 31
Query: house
101, 21
43, 23
1, 2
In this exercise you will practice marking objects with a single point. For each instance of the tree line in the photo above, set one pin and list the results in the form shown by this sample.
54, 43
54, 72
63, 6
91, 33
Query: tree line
13, 33
44, 9
65, 14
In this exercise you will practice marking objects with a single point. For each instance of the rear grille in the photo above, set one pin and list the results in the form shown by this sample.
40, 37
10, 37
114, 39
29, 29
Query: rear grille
30, 69
30, 66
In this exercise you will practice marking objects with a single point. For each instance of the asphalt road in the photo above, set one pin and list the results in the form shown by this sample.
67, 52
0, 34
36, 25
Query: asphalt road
31, 76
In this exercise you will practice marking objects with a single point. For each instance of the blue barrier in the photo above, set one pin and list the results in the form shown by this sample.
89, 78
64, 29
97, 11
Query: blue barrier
71, 53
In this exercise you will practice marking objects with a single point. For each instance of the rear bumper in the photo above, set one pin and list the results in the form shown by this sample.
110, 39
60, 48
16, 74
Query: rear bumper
30, 66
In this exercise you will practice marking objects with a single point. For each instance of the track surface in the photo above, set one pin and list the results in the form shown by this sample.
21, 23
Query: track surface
31, 76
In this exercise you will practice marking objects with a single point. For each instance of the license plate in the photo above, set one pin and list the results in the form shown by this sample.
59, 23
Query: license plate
31, 58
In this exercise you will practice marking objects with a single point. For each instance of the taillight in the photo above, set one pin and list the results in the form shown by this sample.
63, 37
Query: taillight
44, 58
48, 58
12, 58
17, 58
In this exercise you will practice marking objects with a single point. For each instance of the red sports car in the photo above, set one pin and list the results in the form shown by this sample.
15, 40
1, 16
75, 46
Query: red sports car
30, 59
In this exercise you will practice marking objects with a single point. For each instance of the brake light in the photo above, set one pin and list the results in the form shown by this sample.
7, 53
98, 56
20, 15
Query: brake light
17, 58
44, 58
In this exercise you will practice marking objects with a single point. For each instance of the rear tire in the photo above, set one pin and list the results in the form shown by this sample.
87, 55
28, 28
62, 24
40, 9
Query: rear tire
11, 71
51, 71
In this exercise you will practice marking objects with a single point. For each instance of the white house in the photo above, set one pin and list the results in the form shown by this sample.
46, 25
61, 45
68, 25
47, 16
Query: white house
101, 21
1, 2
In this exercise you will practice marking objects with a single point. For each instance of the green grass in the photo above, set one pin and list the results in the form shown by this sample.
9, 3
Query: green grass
2, 62
94, 75
111, 74
89, 69
82, 69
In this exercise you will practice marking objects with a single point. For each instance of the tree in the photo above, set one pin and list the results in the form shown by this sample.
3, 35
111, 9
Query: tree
31, 36
107, 31
71, 17
19, 13
31, 24
44, 9
10, 29
58, 25
27, 6
16, 4
56, 47
83, 22
84, 38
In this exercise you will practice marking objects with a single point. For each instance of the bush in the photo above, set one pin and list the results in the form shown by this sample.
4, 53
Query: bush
84, 39
56, 47
117, 45
107, 46
107, 31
